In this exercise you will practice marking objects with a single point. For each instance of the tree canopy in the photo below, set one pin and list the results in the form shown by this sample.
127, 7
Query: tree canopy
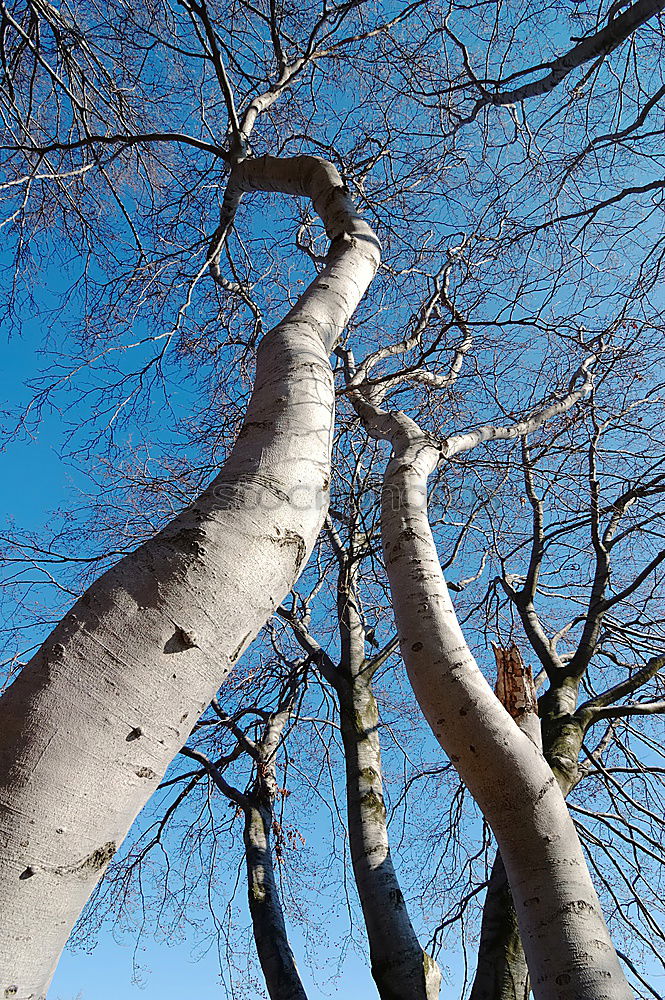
189, 190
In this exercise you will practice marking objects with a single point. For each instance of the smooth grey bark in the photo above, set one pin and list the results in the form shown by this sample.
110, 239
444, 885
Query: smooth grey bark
265, 906
400, 966
569, 952
566, 942
92, 722
501, 972
272, 944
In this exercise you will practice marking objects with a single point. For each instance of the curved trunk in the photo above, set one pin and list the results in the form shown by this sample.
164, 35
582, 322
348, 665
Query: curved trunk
400, 967
93, 721
566, 942
272, 944
502, 973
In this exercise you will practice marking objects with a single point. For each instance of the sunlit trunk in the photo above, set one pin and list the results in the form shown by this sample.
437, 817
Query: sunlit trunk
501, 972
566, 942
93, 721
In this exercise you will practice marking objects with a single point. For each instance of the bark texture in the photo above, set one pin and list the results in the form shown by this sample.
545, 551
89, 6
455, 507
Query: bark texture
400, 967
265, 905
566, 942
502, 972
272, 943
92, 722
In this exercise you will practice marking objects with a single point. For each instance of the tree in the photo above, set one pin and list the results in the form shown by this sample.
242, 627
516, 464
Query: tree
181, 593
399, 964
596, 649
558, 438
558, 910
257, 806
84, 98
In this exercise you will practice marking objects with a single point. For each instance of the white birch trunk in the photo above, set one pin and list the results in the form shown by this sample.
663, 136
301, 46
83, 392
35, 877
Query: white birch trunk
92, 722
566, 942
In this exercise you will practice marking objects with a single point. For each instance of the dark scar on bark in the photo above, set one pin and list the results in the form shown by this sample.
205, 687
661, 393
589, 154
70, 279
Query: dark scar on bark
94, 862
236, 652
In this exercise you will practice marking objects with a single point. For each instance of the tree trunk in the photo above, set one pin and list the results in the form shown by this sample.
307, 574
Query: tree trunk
400, 967
92, 722
566, 942
502, 972
272, 944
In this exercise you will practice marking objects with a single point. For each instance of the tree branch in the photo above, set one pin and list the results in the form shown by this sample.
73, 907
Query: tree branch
597, 46
603, 705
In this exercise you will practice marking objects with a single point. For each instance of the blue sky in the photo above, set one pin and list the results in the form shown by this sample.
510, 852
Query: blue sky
170, 971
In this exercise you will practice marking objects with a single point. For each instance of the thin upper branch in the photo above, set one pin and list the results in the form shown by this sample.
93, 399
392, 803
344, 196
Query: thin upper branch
596, 46
228, 790
604, 705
